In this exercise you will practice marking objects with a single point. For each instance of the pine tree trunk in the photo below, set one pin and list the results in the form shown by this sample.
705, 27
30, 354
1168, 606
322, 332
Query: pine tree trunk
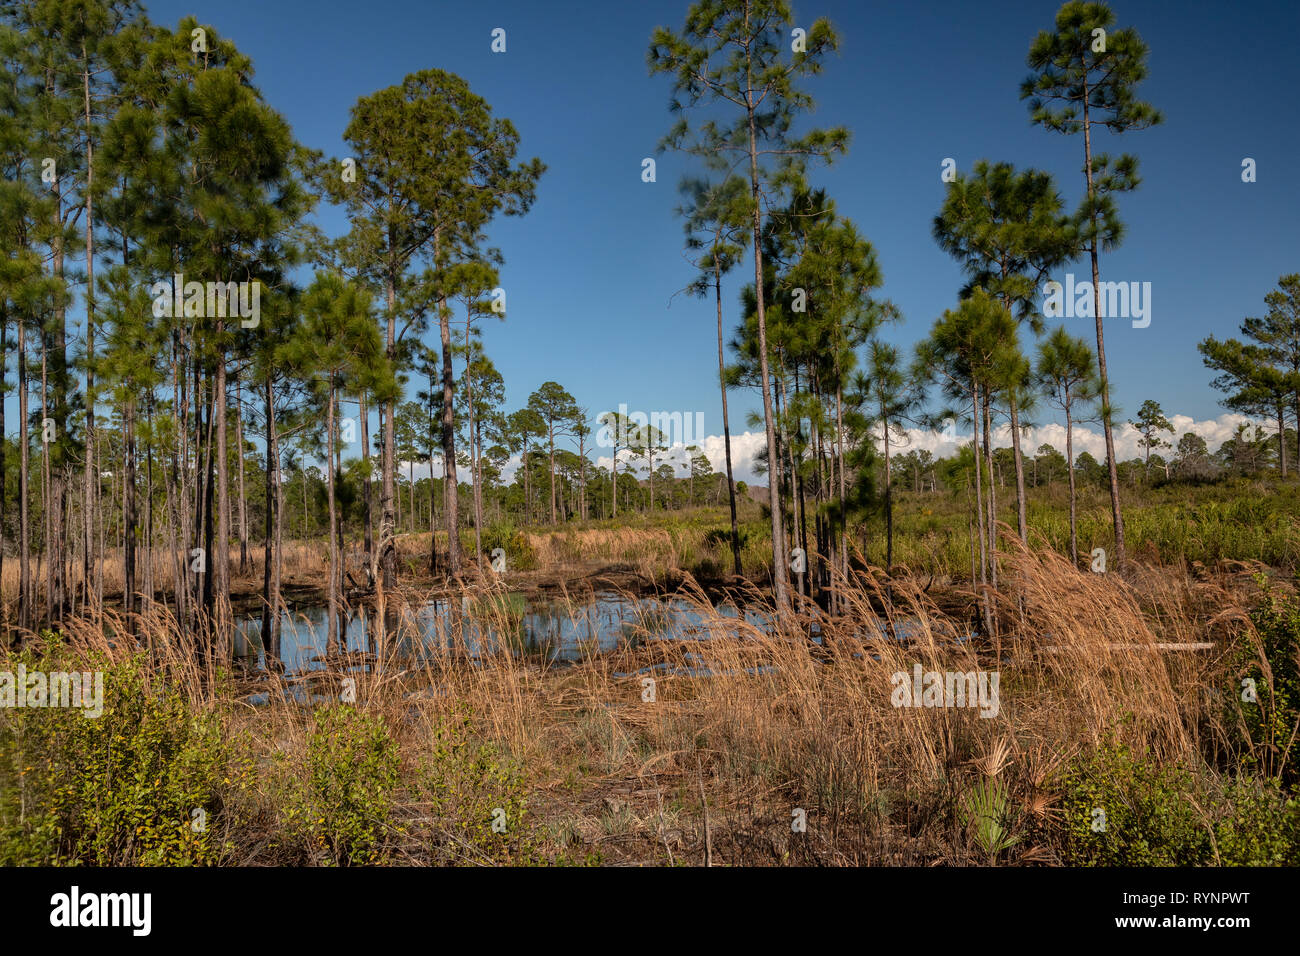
450, 488
129, 517
331, 627
388, 556
243, 493
369, 541
780, 580
1022, 510
270, 599
992, 494
1111, 467
24, 493
221, 580
1069, 463
551, 431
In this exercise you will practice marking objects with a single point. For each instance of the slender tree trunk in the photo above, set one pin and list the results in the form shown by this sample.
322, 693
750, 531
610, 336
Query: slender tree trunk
243, 494
147, 603
582, 476
129, 516
992, 493
277, 565
433, 529
979, 500
90, 487
57, 466
780, 568
889, 504
473, 450
270, 599
1069, 463
221, 580
24, 494
1022, 510
369, 542
49, 502
449, 443
1111, 466
331, 627
209, 519
782, 402
843, 493
1281, 437
551, 433
387, 547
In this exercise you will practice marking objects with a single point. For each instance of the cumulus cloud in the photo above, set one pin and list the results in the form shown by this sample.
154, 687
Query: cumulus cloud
747, 446
1087, 437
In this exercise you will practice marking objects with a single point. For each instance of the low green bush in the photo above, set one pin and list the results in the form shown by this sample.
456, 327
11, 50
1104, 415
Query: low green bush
340, 807
477, 796
146, 783
1119, 809
1265, 699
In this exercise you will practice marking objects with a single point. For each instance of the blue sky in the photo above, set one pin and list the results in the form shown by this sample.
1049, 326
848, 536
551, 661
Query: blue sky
590, 272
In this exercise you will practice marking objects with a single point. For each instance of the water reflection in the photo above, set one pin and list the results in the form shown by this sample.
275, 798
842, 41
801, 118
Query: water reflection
557, 630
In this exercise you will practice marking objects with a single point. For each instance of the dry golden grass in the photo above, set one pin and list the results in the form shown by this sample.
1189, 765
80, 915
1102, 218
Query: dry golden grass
715, 766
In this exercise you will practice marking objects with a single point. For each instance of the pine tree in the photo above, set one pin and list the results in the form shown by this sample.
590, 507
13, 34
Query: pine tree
1150, 422
1085, 76
729, 56
1006, 229
1067, 372
433, 167
717, 221
558, 411
336, 340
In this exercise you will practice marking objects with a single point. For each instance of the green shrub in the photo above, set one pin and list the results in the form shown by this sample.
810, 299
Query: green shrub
1258, 825
1269, 722
1146, 818
341, 806
519, 553
143, 784
478, 796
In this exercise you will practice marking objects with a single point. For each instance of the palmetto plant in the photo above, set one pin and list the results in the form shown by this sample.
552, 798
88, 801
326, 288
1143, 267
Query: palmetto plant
984, 811
985, 808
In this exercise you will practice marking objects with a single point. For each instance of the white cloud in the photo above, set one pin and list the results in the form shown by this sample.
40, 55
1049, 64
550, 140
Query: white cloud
1089, 438
746, 446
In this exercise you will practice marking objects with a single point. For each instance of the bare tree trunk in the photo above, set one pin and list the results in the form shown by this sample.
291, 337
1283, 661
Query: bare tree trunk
90, 487
1069, 464
979, 502
726, 424
243, 494
780, 579
128, 516
146, 605
270, 555
221, 580
551, 431
50, 504
448, 444
369, 540
1111, 467
843, 492
24, 494
331, 634
992, 495
473, 450
1022, 510
388, 554
889, 504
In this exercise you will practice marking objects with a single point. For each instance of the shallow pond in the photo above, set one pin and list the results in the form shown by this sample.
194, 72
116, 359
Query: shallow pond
551, 629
